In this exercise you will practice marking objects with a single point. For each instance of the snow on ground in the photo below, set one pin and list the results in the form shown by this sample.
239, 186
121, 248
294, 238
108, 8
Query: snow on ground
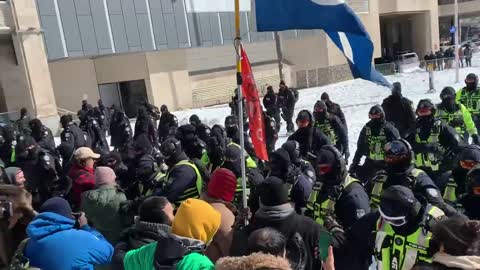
355, 97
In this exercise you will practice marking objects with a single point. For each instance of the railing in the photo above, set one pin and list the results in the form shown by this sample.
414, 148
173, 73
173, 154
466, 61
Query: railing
434, 65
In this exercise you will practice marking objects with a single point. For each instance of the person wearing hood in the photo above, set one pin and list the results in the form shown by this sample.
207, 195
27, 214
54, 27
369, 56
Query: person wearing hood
399, 110
102, 206
469, 96
65, 151
155, 217
71, 133
105, 112
400, 170
193, 228
233, 162
310, 138
39, 168
14, 176
202, 130
331, 126
56, 243
336, 194
183, 180
266, 249
42, 135
286, 102
301, 232
434, 143
146, 171
8, 141
120, 130
220, 194
191, 143
458, 242
293, 149
22, 122
457, 116
333, 108
271, 105
300, 185
113, 160
82, 174
216, 145
271, 133
167, 122
371, 142
145, 125
398, 235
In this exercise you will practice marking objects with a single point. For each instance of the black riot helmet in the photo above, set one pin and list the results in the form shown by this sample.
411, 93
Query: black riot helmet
398, 156
398, 206
330, 166
231, 125
195, 120
471, 82
376, 114
447, 93
293, 149
65, 120
473, 181
425, 108
171, 148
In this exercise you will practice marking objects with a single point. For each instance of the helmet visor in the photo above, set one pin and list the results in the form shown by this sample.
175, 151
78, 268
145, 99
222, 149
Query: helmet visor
468, 164
394, 221
324, 169
303, 123
424, 112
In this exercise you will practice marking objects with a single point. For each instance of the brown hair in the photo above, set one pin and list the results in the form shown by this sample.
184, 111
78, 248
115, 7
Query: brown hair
458, 235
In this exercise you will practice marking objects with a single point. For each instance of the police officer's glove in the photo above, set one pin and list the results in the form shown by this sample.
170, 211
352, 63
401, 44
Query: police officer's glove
332, 225
476, 139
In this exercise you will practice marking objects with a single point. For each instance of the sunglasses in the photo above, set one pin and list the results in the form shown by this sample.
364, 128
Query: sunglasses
323, 169
394, 221
468, 164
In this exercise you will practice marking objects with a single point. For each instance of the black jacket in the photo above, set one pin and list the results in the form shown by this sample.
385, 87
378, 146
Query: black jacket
286, 99
140, 234
120, 130
339, 129
74, 136
145, 125
44, 139
311, 139
336, 110
167, 120
391, 134
399, 111
97, 136
352, 205
203, 131
471, 204
270, 101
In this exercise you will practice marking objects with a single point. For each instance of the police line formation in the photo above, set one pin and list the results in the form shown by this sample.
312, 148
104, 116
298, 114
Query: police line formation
419, 181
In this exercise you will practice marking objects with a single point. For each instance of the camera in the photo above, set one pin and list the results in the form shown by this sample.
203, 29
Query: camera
6, 208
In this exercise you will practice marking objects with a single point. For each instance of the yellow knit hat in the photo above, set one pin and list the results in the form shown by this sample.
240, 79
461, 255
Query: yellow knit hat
196, 219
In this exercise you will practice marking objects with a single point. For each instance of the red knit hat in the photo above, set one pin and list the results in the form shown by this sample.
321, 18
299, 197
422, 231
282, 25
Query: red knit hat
222, 185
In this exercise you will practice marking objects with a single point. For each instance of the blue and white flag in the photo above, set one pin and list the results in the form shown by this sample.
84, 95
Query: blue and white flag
335, 17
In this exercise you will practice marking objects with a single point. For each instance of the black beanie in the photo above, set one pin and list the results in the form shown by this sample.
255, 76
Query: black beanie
291, 147
273, 191
325, 96
304, 115
151, 210
283, 156
58, 206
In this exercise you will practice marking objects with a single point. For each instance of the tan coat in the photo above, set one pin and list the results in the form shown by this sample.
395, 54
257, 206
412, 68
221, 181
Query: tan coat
222, 240
252, 262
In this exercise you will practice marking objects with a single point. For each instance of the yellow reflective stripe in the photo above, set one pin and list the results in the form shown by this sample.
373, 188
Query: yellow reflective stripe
191, 192
449, 194
376, 144
377, 191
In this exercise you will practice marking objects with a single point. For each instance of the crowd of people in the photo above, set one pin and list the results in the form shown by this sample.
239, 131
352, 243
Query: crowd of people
164, 196
444, 59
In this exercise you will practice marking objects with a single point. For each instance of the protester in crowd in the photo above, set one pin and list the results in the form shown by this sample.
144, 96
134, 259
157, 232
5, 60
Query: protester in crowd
334, 108
155, 217
14, 176
193, 229
266, 249
82, 174
220, 194
57, 242
102, 206
458, 241
399, 110
468, 56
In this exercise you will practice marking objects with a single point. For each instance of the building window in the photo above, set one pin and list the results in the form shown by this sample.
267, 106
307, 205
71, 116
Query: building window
451, 2
359, 6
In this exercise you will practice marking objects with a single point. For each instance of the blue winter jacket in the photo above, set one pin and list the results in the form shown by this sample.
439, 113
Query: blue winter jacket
55, 245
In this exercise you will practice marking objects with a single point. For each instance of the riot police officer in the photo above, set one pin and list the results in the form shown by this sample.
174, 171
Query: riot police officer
271, 133
120, 130
146, 125
270, 104
42, 135
107, 117
333, 108
71, 133
336, 194
293, 149
469, 96
434, 143
233, 132
201, 129
332, 127
401, 171
191, 144
286, 102
167, 121
183, 180
456, 115
371, 142
22, 122
95, 132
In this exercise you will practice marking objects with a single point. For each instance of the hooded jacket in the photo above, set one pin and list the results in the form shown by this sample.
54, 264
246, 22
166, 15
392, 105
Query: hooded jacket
252, 262
83, 179
54, 244
102, 207
309, 138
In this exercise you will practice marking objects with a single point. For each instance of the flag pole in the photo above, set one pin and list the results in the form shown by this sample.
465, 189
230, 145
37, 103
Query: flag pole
238, 49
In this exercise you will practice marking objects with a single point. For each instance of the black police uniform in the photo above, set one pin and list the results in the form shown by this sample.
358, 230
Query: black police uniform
167, 120
191, 144
202, 130
399, 111
120, 130
270, 104
145, 125
97, 136
74, 136
310, 138
286, 102
271, 134
334, 108
44, 138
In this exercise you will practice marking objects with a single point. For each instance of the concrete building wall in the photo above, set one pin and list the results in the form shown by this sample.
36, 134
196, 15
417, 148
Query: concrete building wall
72, 80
